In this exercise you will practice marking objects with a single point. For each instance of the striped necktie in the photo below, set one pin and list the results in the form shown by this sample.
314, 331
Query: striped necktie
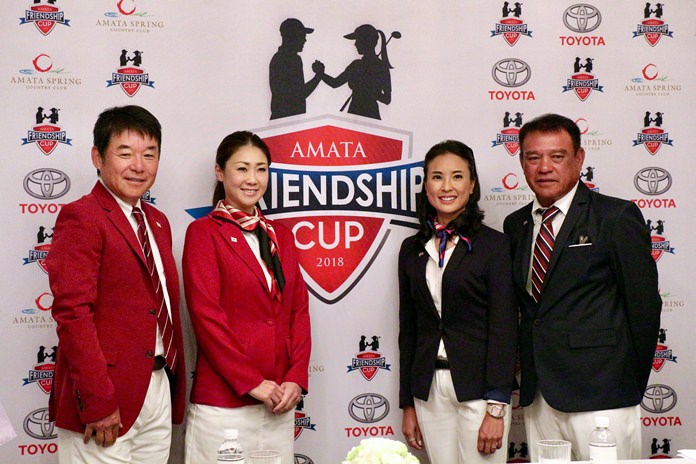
543, 247
163, 321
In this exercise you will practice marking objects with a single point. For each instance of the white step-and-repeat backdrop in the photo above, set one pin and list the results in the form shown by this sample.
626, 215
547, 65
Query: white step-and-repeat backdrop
346, 166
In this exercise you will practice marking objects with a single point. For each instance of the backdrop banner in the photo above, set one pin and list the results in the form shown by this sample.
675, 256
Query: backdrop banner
347, 162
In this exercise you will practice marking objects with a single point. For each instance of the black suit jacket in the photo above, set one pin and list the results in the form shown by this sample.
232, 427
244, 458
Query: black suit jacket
590, 341
478, 324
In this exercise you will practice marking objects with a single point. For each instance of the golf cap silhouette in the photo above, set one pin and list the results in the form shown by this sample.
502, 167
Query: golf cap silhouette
293, 26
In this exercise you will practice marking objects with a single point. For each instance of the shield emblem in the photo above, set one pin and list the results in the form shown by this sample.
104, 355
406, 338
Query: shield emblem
368, 372
658, 246
653, 37
511, 37
130, 88
652, 146
300, 423
46, 146
321, 188
511, 147
45, 371
43, 249
45, 26
661, 355
582, 92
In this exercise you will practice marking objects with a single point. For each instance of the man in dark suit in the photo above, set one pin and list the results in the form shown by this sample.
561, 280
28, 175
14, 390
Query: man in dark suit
589, 323
120, 376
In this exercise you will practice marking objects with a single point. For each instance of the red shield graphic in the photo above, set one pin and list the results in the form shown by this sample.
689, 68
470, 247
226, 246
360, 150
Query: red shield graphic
131, 88
337, 243
44, 26
653, 37
46, 146
511, 147
299, 416
659, 361
511, 37
45, 383
582, 92
368, 371
657, 250
42, 262
652, 147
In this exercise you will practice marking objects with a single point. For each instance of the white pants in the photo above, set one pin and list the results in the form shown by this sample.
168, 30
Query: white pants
147, 441
258, 429
450, 428
542, 422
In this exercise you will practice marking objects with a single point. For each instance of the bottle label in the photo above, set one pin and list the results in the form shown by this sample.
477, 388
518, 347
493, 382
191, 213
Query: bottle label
602, 454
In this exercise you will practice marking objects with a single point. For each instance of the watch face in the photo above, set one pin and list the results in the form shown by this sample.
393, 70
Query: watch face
496, 410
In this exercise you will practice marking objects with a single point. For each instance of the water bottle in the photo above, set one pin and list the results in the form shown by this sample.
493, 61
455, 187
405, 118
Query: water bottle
230, 450
602, 442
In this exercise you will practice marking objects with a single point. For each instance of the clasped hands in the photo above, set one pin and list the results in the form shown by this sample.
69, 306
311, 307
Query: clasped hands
277, 398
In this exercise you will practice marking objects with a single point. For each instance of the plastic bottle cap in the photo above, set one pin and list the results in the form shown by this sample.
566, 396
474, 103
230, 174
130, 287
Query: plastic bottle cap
230, 434
601, 421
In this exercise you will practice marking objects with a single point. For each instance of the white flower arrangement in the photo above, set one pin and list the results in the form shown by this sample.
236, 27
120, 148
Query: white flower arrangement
380, 451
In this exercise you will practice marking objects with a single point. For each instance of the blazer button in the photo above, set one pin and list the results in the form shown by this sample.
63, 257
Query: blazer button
269, 322
150, 354
440, 326
537, 322
152, 312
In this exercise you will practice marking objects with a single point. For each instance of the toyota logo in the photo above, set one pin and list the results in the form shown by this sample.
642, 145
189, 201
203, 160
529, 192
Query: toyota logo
582, 18
46, 183
652, 181
302, 459
368, 408
511, 72
37, 425
659, 399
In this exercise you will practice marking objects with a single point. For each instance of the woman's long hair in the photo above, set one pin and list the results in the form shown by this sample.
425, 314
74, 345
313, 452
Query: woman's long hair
229, 147
469, 221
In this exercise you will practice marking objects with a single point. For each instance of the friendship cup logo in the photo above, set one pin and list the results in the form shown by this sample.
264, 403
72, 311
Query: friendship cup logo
45, 17
302, 420
652, 27
662, 354
652, 136
340, 187
130, 78
42, 375
509, 135
46, 137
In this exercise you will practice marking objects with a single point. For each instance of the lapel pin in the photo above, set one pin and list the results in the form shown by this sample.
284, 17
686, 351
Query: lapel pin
158, 224
420, 254
525, 222
233, 239
583, 239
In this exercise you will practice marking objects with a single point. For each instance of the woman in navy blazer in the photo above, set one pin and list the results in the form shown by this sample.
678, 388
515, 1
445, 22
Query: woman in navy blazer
457, 319
248, 307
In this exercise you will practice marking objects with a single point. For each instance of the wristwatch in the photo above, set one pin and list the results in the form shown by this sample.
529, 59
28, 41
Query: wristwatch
496, 410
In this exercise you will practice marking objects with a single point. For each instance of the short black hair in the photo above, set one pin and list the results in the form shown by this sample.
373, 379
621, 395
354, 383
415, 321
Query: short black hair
549, 123
116, 120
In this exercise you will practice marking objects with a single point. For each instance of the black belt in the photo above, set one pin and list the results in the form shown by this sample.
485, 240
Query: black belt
159, 363
441, 364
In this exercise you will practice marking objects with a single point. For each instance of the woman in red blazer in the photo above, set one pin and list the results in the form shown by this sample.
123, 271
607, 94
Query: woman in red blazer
457, 319
248, 307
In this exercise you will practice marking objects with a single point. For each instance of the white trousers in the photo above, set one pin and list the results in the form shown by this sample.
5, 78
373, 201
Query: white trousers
258, 429
542, 422
147, 441
450, 428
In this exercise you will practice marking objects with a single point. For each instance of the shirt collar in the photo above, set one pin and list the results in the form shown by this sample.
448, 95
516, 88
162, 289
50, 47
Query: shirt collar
125, 207
562, 203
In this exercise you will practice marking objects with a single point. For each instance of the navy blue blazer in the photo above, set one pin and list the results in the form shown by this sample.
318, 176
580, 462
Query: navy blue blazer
478, 323
589, 343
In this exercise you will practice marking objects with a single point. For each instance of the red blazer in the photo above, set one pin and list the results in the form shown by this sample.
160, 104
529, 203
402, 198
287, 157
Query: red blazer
243, 335
102, 300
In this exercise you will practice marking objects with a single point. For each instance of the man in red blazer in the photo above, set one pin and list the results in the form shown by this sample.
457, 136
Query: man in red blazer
120, 376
